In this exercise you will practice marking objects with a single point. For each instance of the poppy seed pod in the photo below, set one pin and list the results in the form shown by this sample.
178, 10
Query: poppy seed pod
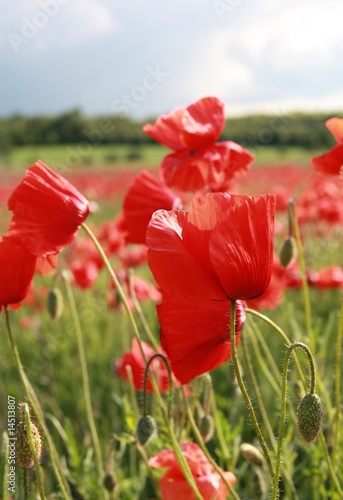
146, 429
310, 416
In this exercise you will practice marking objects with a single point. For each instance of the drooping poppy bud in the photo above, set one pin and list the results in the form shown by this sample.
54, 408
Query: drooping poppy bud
252, 454
54, 303
310, 416
146, 429
288, 251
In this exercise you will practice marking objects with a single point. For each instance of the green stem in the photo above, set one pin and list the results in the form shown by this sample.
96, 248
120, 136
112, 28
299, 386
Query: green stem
283, 337
85, 377
329, 462
257, 392
176, 446
34, 402
200, 441
244, 391
140, 313
145, 380
33, 450
283, 405
302, 264
338, 384
302, 378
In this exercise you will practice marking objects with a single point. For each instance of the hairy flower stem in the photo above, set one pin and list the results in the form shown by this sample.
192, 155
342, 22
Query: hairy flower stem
85, 378
321, 437
244, 391
35, 405
33, 450
176, 446
283, 406
145, 380
283, 337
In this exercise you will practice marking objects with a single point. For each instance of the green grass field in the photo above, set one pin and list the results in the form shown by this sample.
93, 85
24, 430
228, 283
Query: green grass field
49, 354
131, 156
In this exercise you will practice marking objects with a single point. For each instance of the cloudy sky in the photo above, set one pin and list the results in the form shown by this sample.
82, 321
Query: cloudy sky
147, 57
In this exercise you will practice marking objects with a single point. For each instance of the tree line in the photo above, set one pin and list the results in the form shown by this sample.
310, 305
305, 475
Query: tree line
296, 129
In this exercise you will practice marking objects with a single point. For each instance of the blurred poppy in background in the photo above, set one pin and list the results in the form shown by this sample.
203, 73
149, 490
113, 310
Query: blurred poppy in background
199, 162
173, 483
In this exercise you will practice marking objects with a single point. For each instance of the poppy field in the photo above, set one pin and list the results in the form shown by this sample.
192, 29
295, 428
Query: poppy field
176, 330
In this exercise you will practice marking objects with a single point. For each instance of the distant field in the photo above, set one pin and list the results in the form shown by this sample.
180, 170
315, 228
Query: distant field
131, 156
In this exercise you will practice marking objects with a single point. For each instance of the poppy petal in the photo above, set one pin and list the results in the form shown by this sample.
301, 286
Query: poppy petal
330, 163
175, 269
47, 211
335, 125
241, 247
196, 334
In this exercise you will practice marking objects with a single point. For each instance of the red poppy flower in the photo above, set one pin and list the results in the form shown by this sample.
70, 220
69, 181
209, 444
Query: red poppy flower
329, 277
146, 195
17, 268
198, 162
196, 334
222, 248
143, 290
47, 211
273, 294
174, 485
331, 163
134, 359
85, 273
133, 256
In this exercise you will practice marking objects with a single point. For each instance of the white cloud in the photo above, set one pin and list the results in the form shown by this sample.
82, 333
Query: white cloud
44, 24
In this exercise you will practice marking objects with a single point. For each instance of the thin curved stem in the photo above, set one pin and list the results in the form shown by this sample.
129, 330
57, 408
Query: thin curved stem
145, 380
283, 406
34, 402
302, 265
244, 391
176, 446
201, 443
85, 378
140, 313
338, 384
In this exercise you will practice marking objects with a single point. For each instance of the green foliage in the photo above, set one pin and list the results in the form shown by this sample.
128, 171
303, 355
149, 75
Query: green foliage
252, 131
49, 354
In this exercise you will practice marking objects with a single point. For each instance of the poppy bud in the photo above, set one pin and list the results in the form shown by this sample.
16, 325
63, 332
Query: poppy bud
109, 482
206, 427
54, 303
24, 455
288, 251
146, 429
310, 416
252, 454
